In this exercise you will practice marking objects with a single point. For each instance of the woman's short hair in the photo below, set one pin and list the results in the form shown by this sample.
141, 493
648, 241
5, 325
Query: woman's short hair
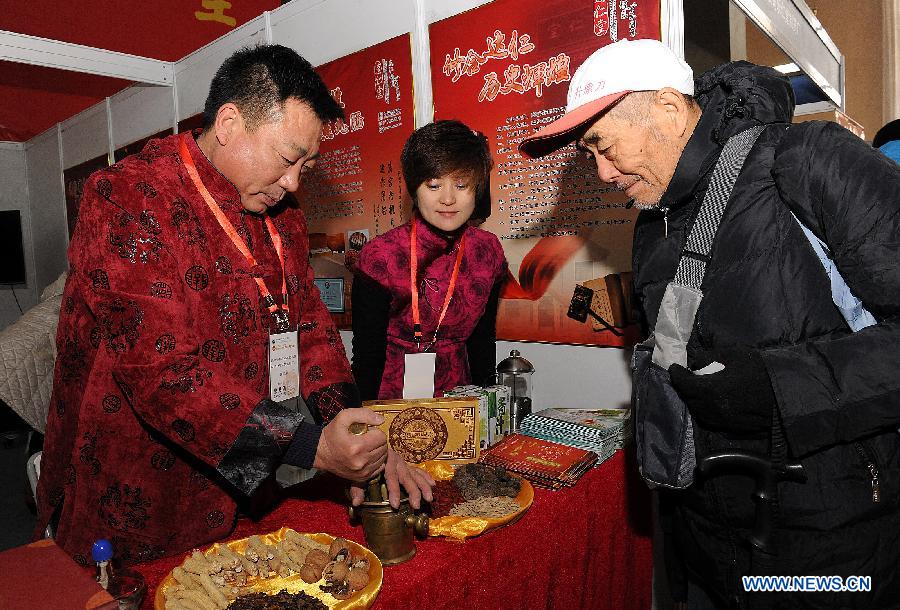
446, 147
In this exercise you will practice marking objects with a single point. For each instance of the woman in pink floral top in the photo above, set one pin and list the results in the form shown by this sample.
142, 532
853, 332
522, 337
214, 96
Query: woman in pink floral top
446, 167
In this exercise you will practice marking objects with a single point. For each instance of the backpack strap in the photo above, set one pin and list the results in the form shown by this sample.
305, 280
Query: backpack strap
678, 308
695, 255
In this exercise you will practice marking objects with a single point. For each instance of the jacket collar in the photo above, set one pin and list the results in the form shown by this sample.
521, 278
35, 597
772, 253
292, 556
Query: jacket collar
222, 190
431, 238
734, 97
698, 156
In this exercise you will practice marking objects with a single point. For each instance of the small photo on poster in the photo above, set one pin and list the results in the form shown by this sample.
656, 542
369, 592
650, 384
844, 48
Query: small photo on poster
356, 239
331, 290
326, 243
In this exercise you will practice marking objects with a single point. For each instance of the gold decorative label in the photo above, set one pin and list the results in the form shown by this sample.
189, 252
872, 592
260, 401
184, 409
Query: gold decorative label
444, 429
418, 434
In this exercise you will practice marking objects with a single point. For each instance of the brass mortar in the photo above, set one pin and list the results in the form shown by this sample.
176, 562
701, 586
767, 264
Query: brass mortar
389, 532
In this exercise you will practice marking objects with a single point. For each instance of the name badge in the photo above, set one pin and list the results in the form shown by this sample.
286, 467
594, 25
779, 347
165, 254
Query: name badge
284, 366
418, 376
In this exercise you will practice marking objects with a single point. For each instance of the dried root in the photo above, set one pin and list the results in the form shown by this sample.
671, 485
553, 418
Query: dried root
207, 582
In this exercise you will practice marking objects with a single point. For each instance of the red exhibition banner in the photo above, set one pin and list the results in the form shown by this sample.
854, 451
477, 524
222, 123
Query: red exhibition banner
504, 69
356, 191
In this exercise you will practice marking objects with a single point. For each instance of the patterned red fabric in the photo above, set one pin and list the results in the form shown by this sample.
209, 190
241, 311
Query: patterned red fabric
162, 345
588, 546
386, 261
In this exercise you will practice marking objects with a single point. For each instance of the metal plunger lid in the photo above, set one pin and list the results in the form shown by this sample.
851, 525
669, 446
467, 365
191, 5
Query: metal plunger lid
515, 364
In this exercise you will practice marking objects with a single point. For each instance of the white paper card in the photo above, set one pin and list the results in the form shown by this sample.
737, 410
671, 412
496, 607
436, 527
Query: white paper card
284, 366
418, 377
709, 369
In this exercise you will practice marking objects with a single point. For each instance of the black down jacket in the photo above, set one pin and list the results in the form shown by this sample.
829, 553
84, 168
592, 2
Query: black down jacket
838, 392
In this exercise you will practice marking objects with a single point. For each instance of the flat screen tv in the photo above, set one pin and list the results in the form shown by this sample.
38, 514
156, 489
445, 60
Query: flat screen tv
12, 256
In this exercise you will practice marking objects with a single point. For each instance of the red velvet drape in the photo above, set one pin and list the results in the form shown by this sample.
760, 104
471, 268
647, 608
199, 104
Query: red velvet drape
584, 547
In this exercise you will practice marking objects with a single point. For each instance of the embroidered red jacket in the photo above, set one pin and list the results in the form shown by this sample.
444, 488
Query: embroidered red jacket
160, 415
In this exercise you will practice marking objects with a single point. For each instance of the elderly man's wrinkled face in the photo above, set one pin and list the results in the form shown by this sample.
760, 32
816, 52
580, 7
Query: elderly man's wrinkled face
636, 156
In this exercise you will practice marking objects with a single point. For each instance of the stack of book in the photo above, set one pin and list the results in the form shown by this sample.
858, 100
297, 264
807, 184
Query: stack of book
601, 431
544, 463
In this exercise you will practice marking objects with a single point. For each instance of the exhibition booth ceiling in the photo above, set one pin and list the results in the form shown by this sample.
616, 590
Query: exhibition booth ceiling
34, 98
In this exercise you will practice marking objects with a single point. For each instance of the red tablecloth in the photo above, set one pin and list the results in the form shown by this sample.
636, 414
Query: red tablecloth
583, 547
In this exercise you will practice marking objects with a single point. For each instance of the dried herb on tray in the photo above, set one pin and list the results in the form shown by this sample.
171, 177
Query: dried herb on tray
446, 496
480, 480
473, 482
279, 601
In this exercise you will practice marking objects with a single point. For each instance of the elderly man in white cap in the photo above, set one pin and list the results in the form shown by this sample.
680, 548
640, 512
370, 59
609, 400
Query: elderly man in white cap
645, 158
765, 265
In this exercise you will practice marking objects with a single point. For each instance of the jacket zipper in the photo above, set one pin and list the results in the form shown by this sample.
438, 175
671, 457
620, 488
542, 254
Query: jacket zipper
665, 211
873, 471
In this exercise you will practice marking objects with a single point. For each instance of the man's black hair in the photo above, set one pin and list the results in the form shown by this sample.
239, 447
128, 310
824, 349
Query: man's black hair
888, 133
258, 80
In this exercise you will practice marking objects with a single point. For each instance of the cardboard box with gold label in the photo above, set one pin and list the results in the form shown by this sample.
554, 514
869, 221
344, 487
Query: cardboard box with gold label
444, 429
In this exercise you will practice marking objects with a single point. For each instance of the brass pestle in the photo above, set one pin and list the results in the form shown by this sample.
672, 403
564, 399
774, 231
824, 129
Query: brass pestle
388, 531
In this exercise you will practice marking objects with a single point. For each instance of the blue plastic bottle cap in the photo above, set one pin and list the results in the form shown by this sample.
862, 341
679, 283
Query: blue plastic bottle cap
102, 550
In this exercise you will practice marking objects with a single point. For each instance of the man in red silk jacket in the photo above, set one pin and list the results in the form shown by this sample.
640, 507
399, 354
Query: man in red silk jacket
161, 418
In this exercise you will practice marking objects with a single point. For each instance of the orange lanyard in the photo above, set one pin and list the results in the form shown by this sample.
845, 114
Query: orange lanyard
280, 314
414, 285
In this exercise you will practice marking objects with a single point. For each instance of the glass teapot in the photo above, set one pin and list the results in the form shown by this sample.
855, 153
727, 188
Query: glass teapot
515, 372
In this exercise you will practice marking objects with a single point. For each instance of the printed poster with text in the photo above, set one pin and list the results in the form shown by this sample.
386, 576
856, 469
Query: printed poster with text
356, 191
504, 69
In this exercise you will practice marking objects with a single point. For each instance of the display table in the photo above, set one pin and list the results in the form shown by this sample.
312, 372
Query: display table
588, 546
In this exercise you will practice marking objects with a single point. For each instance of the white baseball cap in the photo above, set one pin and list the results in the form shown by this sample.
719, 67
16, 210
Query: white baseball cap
606, 77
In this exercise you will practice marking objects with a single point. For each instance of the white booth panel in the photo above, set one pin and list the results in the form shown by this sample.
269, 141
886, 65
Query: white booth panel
568, 376
48, 213
14, 194
324, 31
195, 72
575, 376
140, 111
85, 136
441, 9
